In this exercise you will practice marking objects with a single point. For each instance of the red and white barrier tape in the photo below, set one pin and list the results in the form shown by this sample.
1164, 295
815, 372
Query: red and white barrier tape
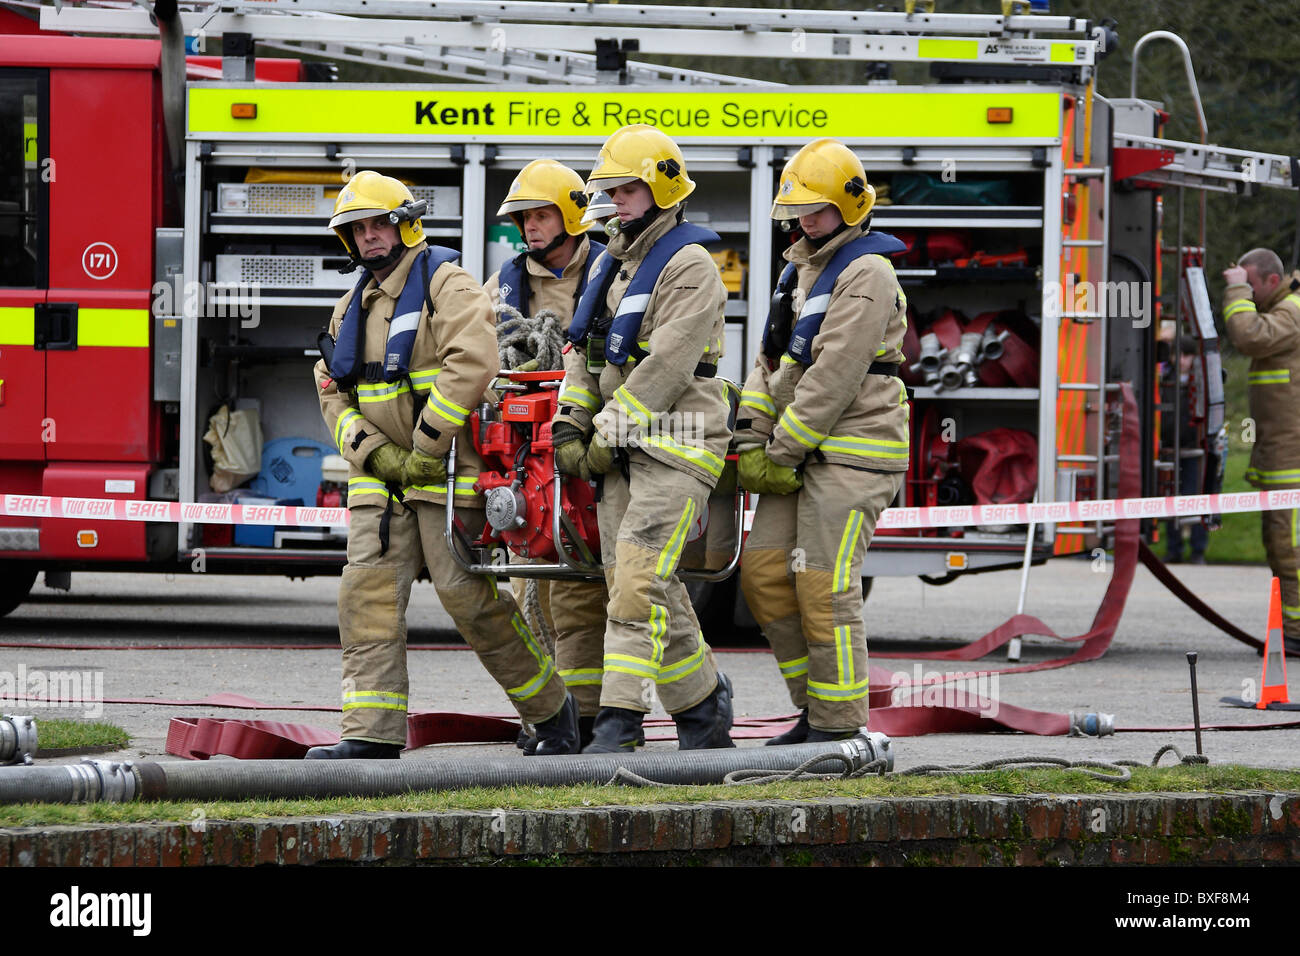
1057, 512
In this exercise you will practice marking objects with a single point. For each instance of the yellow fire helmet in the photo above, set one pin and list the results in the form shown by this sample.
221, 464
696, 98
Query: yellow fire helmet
367, 194
642, 152
544, 182
824, 172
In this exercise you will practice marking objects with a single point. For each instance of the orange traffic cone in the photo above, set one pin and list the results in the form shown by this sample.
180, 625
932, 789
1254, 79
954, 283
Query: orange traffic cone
1273, 680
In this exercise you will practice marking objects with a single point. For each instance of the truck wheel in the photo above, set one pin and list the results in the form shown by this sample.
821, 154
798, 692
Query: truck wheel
16, 580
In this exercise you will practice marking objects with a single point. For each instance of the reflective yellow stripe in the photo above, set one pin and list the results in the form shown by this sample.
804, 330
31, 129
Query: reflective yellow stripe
380, 391
113, 327
687, 667
697, 456
788, 360
447, 409
795, 668
758, 400
349, 417
848, 543
635, 410
582, 676
1293, 299
673, 549
843, 654
637, 666
864, 447
365, 486
1295, 542
464, 486
422, 380
580, 397
1240, 305
546, 669
658, 628
17, 325
854, 691
376, 693
374, 700
1272, 477
801, 432
1269, 376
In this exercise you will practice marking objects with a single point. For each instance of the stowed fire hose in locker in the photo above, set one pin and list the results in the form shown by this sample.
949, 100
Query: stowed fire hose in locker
537, 513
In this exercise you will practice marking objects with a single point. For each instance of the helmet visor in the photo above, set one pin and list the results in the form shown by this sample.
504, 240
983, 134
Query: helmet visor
781, 212
519, 205
352, 215
604, 185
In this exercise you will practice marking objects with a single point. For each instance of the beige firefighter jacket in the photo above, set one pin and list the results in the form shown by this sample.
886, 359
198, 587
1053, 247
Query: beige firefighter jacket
670, 413
833, 409
1271, 339
545, 289
453, 359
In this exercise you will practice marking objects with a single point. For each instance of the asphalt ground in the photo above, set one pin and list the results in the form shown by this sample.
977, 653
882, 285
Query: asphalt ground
1143, 679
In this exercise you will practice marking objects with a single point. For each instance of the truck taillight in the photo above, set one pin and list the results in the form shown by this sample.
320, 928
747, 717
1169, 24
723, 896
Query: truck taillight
243, 110
999, 114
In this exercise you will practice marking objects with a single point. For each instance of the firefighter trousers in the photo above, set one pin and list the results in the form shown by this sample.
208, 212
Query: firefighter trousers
574, 612
373, 596
1282, 545
653, 641
801, 574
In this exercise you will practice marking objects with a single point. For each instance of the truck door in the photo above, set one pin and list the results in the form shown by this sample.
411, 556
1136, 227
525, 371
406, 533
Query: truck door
24, 144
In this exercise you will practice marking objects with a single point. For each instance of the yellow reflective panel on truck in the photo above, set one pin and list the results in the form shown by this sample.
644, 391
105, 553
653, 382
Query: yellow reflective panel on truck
793, 115
17, 325
116, 327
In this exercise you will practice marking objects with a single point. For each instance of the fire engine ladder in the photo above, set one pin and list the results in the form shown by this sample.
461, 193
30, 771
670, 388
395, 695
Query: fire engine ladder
497, 65
497, 26
1204, 168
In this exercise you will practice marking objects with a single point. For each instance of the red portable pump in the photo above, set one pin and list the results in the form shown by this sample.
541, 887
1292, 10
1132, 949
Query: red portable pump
514, 439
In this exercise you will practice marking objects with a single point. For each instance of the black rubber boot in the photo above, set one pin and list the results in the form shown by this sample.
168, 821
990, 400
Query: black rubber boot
615, 731
559, 734
349, 749
795, 735
705, 726
586, 730
816, 736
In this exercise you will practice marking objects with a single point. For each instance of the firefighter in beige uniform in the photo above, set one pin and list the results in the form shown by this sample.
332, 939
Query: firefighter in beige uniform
413, 350
641, 406
822, 435
1261, 307
547, 202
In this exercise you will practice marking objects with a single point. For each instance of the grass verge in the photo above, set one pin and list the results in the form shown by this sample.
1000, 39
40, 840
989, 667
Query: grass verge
74, 735
1179, 779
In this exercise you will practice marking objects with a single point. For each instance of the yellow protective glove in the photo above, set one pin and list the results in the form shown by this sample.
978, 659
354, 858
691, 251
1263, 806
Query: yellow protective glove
600, 455
570, 451
386, 462
761, 475
422, 469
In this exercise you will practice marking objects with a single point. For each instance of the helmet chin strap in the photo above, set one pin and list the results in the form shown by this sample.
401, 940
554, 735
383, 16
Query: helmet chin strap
634, 227
539, 255
375, 263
